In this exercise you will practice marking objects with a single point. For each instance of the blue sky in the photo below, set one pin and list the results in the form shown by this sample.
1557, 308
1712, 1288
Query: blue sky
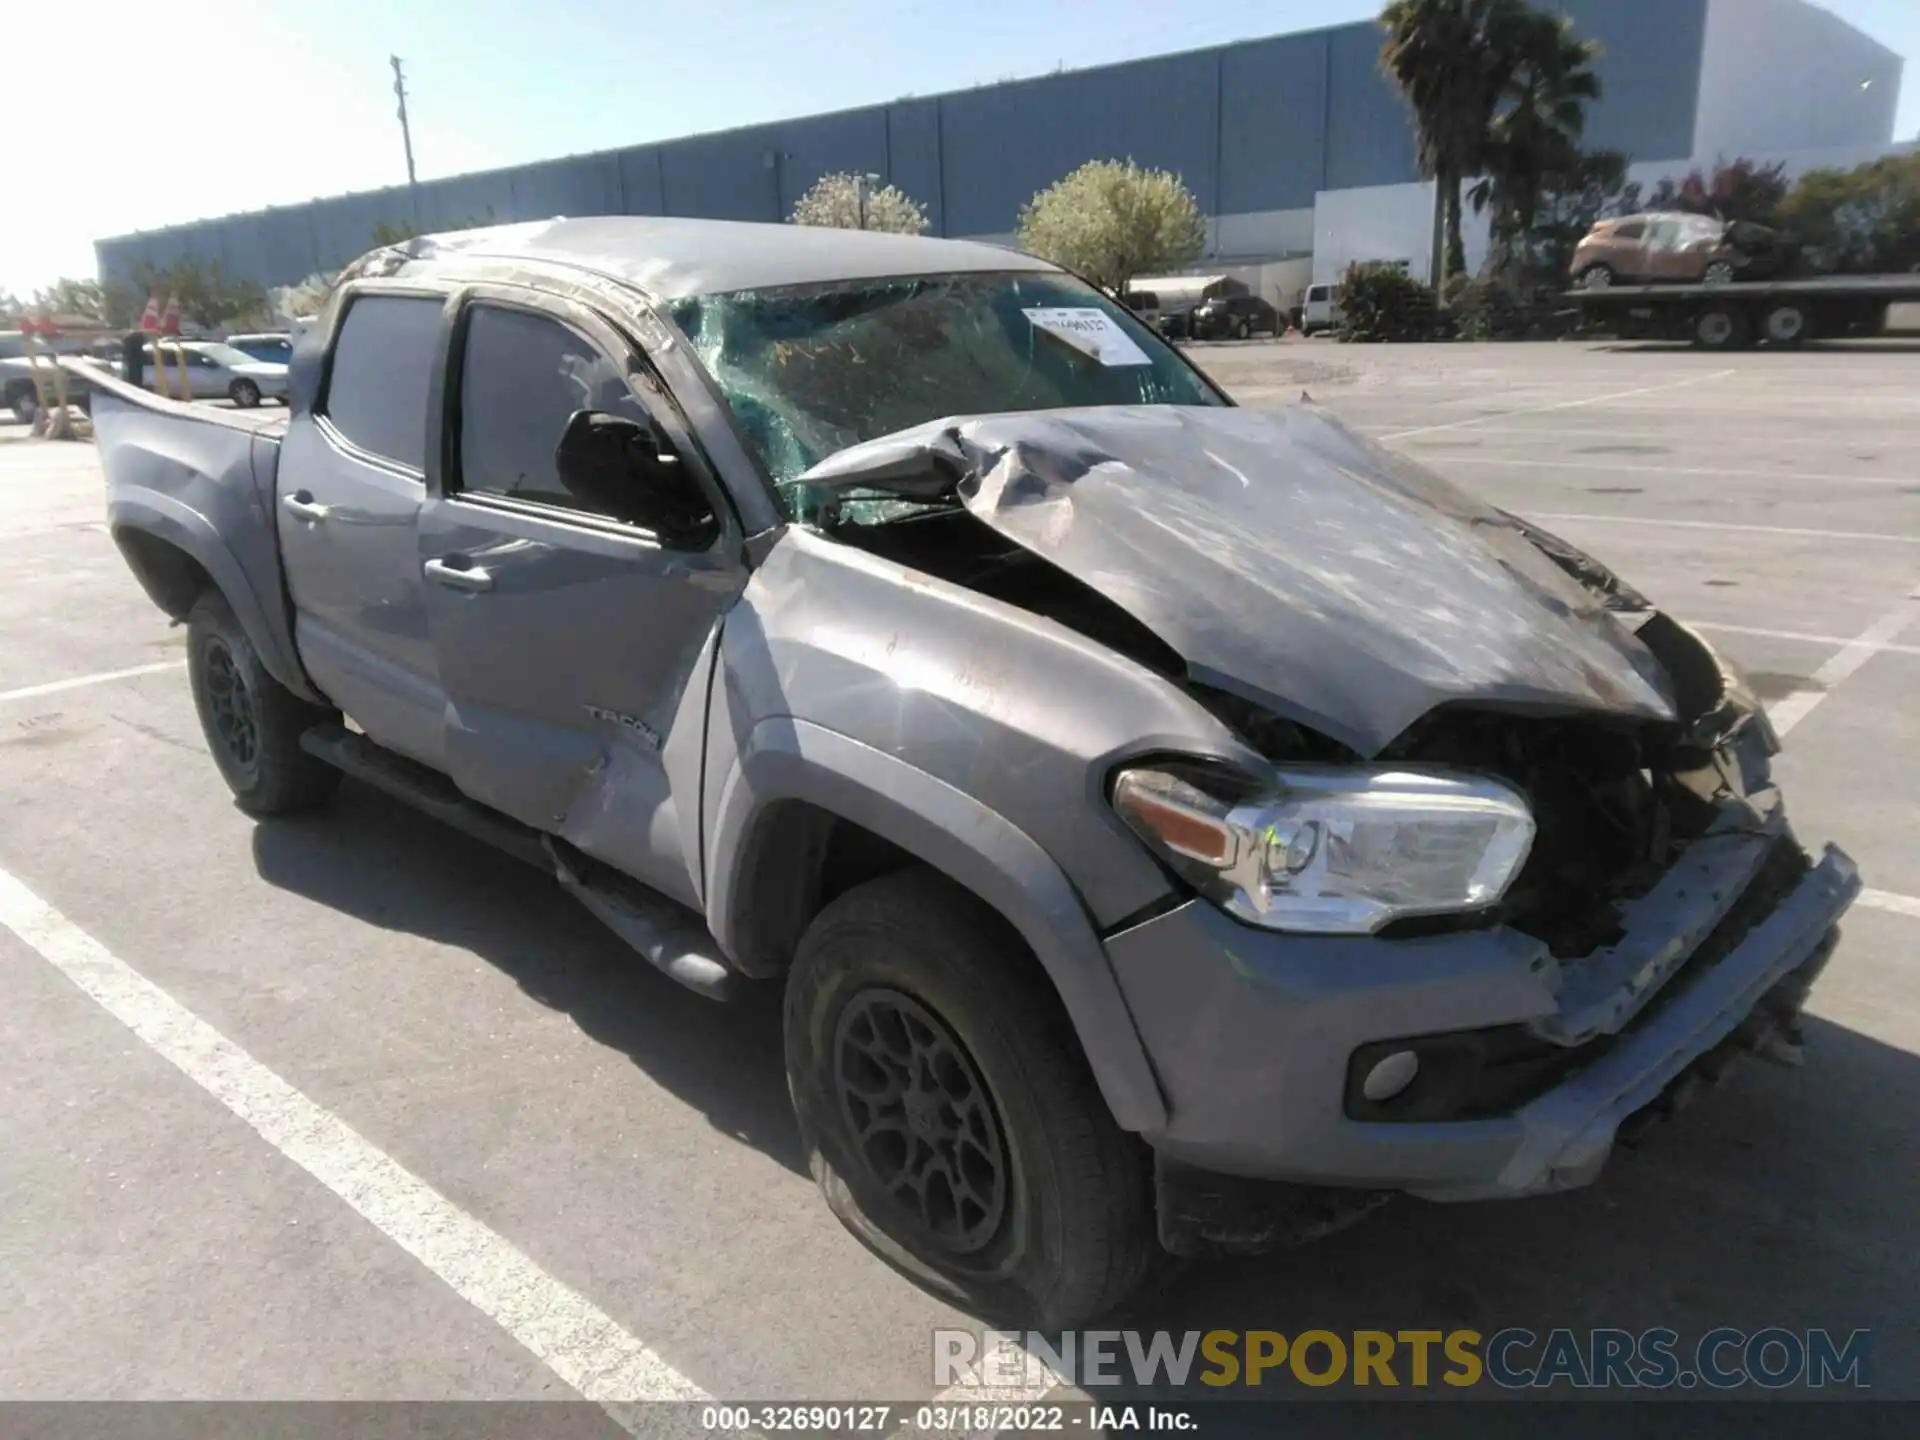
270, 101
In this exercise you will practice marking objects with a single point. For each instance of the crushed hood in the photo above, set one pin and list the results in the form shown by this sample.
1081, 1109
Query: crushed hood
1284, 558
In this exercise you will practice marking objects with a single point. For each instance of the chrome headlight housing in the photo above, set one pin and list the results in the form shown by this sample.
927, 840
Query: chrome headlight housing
1334, 850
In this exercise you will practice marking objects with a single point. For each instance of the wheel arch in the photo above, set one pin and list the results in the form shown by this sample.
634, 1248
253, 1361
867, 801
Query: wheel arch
175, 554
807, 812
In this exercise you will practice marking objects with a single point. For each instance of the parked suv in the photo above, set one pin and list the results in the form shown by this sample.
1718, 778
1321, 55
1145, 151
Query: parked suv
1173, 825
1234, 317
1681, 249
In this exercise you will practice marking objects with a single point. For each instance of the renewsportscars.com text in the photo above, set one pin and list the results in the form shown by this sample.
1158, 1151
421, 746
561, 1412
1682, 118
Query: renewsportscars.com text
1514, 1358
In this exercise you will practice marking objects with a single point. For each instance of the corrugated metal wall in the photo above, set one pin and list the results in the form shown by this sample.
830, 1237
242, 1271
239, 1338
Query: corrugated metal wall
1255, 127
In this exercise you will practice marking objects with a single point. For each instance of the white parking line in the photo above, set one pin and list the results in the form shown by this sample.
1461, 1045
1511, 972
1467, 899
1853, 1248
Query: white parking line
79, 681
1895, 904
576, 1340
1654, 467
1799, 635
1789, 710
1562, 405
1729, 526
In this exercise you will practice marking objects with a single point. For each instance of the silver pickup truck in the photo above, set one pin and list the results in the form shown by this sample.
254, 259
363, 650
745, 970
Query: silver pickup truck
1175, 826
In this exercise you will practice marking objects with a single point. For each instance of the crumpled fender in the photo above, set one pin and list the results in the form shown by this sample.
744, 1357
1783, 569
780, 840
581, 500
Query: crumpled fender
784, 758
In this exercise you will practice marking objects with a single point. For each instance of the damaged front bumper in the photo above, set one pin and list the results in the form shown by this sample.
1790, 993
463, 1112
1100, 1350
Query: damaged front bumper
1532, 1066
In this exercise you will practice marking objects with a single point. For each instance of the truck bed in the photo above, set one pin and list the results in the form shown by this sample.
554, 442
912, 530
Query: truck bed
190, 492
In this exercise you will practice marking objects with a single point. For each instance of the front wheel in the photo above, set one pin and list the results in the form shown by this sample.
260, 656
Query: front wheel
244, 393
1720, 272
252, 722
1243, 330
1596, 277
1722, 327
948, 1112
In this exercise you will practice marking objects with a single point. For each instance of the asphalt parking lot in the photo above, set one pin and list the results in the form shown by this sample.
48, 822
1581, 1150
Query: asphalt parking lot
604, 1154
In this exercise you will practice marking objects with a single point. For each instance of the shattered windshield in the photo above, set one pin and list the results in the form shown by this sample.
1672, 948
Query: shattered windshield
811, 369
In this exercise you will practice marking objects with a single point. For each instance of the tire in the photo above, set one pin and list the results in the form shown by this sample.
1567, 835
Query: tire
24, 404
1596, 277
244, 393
1722, 327
252, 722
1786, 324
1065, 1232
1720, 272
1242, 330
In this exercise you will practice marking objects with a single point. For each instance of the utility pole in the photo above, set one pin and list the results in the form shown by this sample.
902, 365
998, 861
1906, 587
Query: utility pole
406, 138
860, 197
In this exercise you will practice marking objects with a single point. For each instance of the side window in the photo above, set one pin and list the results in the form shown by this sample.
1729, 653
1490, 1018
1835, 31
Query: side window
521, 381
1632, 230
382, 368
1663, 234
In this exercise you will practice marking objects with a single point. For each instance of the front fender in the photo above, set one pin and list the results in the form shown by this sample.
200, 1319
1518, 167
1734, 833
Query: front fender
786, 759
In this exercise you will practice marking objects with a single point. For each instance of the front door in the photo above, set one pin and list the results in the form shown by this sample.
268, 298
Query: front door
350, 483
574, 646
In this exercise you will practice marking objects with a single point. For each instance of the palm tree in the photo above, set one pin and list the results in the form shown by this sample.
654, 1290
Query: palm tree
1540, 115
1451, 62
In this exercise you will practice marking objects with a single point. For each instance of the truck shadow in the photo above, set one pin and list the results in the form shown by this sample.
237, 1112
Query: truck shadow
1781, 1199
374, 858
1778, 1200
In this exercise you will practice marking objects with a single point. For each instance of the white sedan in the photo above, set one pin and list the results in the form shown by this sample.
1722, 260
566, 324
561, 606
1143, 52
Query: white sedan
215, 370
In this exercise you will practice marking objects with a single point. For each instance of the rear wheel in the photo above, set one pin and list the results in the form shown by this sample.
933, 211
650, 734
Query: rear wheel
252, 722
244, 393
1786, 324
948, 1113
1722, 327
1243, 330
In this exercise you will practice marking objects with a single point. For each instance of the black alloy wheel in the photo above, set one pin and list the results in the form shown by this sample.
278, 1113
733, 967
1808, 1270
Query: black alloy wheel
922, 1119
231, 705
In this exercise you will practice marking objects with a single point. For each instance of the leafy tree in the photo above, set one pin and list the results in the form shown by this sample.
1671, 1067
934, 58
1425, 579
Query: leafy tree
1111, 220
1735, 190
1865, 219
68, 296
207, 295
1589, 187
1534, 135
1451, 60
834, 201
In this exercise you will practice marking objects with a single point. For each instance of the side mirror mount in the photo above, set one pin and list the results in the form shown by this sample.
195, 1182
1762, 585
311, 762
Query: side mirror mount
619, 467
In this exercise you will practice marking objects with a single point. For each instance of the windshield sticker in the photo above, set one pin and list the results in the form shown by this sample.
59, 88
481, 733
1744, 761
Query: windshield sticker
1091, 332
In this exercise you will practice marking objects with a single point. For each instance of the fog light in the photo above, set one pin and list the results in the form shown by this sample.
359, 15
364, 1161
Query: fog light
1390, 1076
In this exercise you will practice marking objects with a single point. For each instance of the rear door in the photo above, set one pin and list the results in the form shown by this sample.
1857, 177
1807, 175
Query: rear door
574, 644
351, 481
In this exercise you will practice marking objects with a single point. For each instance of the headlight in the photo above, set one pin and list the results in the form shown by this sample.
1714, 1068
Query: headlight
1336, 851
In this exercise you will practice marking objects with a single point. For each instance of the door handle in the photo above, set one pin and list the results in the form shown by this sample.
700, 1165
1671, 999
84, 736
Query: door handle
303, 504
470, 577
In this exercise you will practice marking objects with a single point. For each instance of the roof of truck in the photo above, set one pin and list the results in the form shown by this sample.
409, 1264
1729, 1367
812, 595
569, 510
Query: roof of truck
674, 258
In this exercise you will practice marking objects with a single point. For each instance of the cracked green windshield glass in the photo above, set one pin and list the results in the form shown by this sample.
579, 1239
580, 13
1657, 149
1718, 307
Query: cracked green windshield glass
810, 369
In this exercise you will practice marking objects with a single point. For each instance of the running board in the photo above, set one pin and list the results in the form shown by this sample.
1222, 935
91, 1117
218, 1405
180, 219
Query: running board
671, 937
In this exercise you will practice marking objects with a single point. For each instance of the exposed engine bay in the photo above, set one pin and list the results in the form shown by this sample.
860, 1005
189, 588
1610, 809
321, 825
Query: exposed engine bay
1615, 798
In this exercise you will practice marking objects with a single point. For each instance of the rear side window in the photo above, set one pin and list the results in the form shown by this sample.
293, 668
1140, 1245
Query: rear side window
382, 365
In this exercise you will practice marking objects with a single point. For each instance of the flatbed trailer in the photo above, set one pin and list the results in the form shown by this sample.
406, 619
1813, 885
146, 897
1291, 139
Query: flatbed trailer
1782, 313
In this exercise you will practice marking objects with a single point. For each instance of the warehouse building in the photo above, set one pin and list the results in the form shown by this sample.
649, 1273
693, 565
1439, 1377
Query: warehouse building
1270, 134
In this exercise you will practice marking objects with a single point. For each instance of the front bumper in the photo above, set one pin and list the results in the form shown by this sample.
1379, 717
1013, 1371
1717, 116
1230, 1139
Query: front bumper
1251, 1032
